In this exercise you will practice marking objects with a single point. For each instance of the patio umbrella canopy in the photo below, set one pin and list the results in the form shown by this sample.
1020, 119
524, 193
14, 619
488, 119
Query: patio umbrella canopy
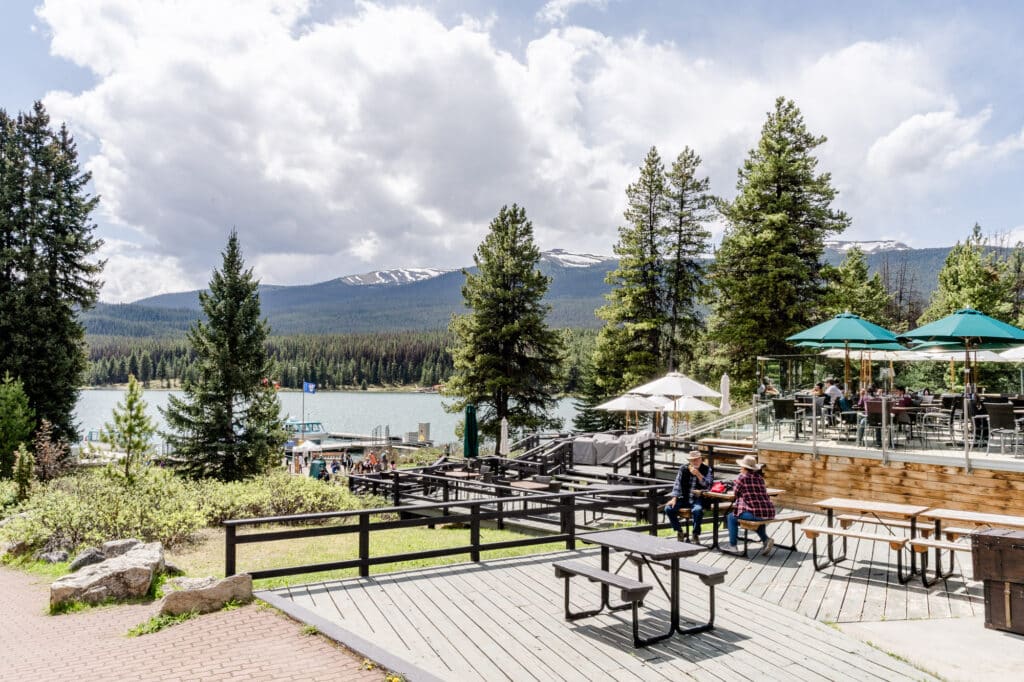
723, 387
846, 331
470, 438
675, 385
503, 444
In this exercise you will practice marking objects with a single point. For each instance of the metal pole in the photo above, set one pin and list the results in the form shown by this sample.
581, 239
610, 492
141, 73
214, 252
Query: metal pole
814, 427
885, 430
756, 415
967, 449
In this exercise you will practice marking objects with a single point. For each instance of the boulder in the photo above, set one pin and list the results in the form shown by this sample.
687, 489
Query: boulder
13, 548
204, 595
118, 547
127, 576
87, 557
54, 557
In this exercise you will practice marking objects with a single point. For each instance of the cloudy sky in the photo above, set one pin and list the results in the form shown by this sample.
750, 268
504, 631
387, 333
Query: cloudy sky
341, 136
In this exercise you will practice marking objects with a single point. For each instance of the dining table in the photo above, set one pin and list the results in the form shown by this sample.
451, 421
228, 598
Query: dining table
648, 548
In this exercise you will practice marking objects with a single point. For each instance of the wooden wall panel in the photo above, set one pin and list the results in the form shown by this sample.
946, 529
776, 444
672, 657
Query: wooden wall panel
806, 480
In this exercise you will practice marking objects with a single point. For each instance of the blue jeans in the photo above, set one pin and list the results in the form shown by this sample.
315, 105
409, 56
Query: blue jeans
734, 527
696, 514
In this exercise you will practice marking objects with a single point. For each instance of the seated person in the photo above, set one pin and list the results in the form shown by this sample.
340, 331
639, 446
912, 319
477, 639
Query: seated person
752, 503
819, 390
766, 390
692, 478
833, 391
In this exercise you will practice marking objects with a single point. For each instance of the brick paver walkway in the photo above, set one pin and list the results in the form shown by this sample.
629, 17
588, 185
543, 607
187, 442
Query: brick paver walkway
250, 643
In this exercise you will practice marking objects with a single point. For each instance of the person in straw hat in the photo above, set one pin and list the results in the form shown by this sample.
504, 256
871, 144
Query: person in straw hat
693, 477
751, 504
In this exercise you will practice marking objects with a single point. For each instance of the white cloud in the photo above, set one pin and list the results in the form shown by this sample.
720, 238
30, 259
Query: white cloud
140, 272
384, 137
557, 11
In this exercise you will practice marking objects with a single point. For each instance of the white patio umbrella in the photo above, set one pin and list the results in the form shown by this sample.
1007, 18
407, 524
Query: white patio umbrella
723, 387
503, 444
629, 402
890, 355
1014, 354
676, 385
686, 404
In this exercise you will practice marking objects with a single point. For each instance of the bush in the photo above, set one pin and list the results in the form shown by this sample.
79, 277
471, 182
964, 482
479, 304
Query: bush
276, 494
8, 495
92, 507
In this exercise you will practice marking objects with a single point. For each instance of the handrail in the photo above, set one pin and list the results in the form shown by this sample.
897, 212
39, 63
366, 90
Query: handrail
485, 509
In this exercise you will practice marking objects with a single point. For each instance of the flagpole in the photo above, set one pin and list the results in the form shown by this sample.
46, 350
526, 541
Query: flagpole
302, 427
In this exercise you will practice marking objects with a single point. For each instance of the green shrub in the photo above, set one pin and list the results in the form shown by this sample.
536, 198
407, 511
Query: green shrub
276, 494
92, 507
8, 495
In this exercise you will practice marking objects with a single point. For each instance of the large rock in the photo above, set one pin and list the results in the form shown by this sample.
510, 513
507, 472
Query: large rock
88, 557
204, 595
123, 577
54, 557
118, 547
13, 548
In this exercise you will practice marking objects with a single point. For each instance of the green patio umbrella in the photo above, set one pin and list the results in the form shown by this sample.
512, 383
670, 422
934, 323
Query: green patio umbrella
969, 330
470, 441
847, 331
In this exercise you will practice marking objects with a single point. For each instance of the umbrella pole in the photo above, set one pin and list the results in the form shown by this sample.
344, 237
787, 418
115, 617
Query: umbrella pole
846, 370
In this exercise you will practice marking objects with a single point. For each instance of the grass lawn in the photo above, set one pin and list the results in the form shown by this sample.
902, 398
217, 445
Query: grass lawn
206, 555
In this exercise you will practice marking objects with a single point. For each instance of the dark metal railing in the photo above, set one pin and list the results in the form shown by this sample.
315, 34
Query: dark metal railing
647, 497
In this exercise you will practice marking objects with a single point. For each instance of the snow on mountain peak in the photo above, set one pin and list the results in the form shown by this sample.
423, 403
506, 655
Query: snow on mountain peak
572, 260
399, 276
867, 246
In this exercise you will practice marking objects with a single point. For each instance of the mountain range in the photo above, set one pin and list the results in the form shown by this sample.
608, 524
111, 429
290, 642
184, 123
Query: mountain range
426, 298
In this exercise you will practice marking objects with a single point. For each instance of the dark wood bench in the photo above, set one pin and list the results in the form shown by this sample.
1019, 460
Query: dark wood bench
631, 592
794, 519
922, 545
896, 543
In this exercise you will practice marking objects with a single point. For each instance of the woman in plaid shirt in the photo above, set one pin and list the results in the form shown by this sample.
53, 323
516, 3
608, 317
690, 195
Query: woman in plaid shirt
751, 504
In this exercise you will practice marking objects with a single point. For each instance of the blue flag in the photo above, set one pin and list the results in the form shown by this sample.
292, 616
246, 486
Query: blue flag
308, 387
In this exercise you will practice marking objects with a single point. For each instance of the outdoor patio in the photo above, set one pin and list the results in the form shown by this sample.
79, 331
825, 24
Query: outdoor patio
503, 619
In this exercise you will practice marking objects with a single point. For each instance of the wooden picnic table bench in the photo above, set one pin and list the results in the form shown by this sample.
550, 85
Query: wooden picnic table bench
884, 513
631, 592
794, 519
978, 520
896, 543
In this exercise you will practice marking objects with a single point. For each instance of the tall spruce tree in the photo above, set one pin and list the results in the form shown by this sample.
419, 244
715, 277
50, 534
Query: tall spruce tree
47, 271
685, 241
506, 358
628, 350
973, 276
228, 424
850, 289
767, 273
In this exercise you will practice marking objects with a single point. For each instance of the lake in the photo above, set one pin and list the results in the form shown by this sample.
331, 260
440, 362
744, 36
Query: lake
345, 411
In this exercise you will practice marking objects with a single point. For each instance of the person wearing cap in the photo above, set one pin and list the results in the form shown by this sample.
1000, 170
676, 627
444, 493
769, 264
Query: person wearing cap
693, 477
751, 504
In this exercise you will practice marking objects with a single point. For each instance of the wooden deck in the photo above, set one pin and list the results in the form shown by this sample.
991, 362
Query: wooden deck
503, 619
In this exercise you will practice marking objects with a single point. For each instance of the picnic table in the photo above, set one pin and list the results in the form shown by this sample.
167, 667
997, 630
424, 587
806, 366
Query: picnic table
889, 515
976, 520
645, 549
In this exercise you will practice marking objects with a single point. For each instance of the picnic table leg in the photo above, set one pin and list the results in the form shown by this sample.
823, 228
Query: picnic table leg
604, 567
913, 554
714, 522
830, 522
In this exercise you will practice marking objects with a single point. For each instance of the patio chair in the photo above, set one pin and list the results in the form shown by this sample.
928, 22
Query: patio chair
784, 412
873, 421
1001, 423
936, 427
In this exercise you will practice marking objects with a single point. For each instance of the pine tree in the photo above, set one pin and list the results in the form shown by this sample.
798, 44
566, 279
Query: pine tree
132, 429
228, 424
850, 289
24, 471
767, 273
17, 421
628, 350
506, 358
47, 275
685, 241
973, 276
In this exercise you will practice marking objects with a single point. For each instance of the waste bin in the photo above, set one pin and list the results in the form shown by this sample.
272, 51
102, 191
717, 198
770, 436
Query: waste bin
315, 467
998, 558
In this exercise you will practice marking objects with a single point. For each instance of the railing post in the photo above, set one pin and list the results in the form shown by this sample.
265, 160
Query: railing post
364, 545
501, 512
444, 496
885, 430
229, 551
474, 532
567, 504
396, 490
652, 510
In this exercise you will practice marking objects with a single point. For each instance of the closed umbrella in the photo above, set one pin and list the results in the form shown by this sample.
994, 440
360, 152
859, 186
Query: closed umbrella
723, 388
470, 442
503, 445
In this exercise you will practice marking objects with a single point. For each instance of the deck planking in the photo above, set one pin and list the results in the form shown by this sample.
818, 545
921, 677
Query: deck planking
503, 619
